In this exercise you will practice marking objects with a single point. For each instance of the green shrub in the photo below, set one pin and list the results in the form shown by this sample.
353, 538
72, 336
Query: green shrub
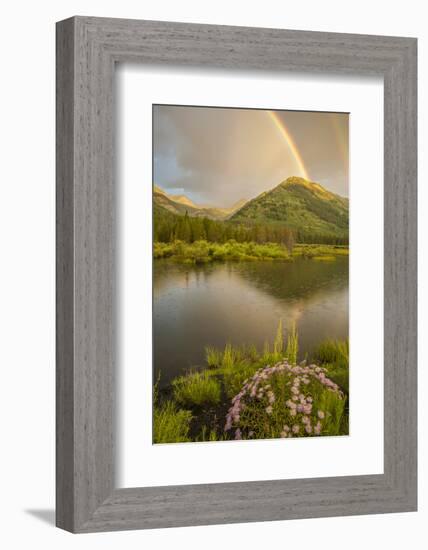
285, 400
203, 252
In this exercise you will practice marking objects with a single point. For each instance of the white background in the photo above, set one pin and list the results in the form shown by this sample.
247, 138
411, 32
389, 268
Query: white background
361, 452
27, 272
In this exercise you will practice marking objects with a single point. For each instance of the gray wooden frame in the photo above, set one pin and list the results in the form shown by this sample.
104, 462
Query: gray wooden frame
87, 50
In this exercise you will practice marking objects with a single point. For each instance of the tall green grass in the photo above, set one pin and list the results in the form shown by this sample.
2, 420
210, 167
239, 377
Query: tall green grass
267, 354
334, 355
335, 352
320, 251
278, 344
213, 356
335, 408
230, 356
292, 345
196, 388
170, 424
207, 434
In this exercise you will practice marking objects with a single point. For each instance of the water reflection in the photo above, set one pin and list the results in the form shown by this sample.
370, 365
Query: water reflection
195, 306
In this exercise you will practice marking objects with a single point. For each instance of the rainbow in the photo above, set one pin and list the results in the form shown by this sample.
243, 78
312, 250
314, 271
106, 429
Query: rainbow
280, 125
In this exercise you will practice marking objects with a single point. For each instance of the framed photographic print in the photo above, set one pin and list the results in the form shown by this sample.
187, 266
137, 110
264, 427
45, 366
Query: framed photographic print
236, 274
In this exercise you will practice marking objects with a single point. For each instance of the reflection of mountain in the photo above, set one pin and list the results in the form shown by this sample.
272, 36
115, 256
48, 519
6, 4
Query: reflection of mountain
241, 303
302, 205
180, 204
296, 280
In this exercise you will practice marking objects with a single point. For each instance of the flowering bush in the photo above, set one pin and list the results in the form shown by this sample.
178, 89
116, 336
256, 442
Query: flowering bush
286, 400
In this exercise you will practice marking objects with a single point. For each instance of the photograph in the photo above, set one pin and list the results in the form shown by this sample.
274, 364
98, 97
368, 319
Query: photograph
250, 274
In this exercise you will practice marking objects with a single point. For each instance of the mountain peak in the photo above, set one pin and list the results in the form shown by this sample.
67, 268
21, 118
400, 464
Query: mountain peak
180, 204
302, 205
158, 189
182, 199
295, 180
312, 186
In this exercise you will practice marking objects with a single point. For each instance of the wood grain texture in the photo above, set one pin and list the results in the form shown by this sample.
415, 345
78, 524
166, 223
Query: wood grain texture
64, 276
87, 50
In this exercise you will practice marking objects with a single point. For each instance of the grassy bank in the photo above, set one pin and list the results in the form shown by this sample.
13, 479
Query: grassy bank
243, 393
320, 251
205, 252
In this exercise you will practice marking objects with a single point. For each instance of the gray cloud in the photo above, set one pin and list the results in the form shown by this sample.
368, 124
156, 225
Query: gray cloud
218, 156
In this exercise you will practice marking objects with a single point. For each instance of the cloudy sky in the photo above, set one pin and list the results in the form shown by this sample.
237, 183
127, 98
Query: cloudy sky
218, 156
